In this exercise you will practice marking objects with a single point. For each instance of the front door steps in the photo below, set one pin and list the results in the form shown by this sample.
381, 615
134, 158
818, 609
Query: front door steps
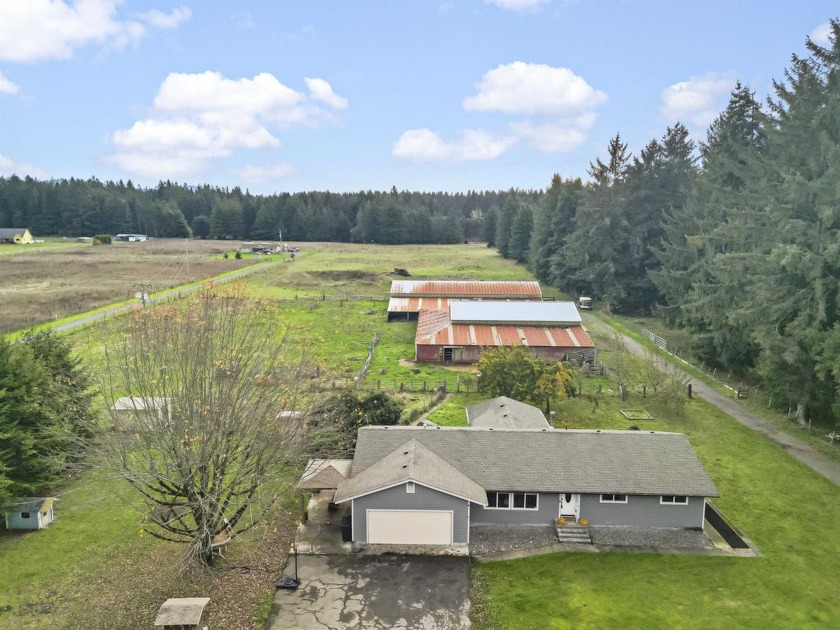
573, 533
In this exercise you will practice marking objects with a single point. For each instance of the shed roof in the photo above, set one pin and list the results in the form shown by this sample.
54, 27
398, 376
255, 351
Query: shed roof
464, 288
136, 403
12, 232
547, 460
505, 413
411, 461
511, 313
31, 504
181, 611
435, 328
324, 474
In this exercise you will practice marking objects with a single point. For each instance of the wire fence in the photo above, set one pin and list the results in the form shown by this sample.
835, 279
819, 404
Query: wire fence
448, 383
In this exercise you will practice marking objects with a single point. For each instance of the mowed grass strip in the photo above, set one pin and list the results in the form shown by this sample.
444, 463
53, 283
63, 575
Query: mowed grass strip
789, 511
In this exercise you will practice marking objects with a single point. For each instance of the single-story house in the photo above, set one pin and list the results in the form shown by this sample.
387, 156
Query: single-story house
460, 334
409, 297
506, 413
422, 489
18, 236
30, 513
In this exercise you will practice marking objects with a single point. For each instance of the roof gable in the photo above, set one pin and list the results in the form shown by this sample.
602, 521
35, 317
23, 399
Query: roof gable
411, 461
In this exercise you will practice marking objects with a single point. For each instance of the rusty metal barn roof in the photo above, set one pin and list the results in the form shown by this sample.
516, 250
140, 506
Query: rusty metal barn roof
417, 304
465, 288
434, 328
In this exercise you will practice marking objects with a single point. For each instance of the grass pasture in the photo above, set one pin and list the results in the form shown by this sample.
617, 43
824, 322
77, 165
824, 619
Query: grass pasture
40, 285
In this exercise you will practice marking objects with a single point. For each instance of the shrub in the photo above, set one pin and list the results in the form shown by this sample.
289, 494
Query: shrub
102, 239
238, 256
225, 255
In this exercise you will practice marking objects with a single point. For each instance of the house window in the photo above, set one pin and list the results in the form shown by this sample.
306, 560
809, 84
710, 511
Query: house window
24, 514
409, 487
673, 500
613, 498
512, 500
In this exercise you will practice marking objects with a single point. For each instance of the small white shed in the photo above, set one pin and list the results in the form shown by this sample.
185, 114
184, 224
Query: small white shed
30, 513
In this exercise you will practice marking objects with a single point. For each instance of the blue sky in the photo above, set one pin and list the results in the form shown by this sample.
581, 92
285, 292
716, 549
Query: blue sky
355, 95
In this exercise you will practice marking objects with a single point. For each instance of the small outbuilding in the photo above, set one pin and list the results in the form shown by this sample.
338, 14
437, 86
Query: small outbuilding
181, 613
30, 513
18, 236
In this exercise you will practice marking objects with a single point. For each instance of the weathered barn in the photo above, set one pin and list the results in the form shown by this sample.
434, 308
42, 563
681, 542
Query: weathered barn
409, 297
549, 330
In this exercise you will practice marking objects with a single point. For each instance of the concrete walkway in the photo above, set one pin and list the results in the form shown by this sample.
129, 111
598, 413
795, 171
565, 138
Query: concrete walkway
794, 446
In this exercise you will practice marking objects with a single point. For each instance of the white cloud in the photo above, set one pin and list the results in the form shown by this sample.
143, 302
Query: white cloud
7, 86
162, 20
533, 88
9, 167
820, 34
254, 175
519, 5
696, 101
424, 145
37, 30
562, 102
200, 117
320, 90
555, 137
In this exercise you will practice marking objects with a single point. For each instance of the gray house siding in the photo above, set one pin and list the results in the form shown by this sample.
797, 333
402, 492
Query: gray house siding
548, 507
423, 498
642, 511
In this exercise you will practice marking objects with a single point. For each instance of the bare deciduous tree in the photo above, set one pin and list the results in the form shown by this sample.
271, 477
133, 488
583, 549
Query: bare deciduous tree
208, 379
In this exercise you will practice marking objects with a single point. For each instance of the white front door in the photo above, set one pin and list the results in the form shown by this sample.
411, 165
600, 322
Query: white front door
569, 504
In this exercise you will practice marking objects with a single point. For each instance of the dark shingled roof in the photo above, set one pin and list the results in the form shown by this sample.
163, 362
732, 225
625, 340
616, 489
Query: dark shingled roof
589, 462
505, 413
411, 461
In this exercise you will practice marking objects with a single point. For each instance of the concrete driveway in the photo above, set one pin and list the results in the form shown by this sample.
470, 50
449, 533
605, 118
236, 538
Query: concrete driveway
375, 592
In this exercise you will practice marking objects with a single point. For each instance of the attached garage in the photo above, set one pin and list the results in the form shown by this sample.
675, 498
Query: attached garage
410, 527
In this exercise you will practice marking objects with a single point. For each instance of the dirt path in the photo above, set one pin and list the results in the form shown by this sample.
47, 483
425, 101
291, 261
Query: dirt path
794, 446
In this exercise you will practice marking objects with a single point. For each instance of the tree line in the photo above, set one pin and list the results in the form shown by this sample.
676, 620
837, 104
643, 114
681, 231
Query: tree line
736, 239
76, 207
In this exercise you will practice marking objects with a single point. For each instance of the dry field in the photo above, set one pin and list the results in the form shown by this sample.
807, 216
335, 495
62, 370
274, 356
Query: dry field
39, 286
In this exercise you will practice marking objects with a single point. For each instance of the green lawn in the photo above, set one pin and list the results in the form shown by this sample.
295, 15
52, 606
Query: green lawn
790, 512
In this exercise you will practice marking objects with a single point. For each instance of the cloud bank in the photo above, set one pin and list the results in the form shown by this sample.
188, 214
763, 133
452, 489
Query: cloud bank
197, 118
558, 104
41, 30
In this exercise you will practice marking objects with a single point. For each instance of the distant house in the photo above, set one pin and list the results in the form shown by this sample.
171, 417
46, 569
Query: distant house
30, 513
409, 297
423, 489
18, 236
549, 330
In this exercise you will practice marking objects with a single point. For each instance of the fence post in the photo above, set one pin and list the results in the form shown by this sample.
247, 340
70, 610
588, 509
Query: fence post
458, 383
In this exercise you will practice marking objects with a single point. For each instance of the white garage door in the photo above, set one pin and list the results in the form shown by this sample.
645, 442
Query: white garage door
409, 527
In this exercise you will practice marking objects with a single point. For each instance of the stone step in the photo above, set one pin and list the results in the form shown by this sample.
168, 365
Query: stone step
573, 535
